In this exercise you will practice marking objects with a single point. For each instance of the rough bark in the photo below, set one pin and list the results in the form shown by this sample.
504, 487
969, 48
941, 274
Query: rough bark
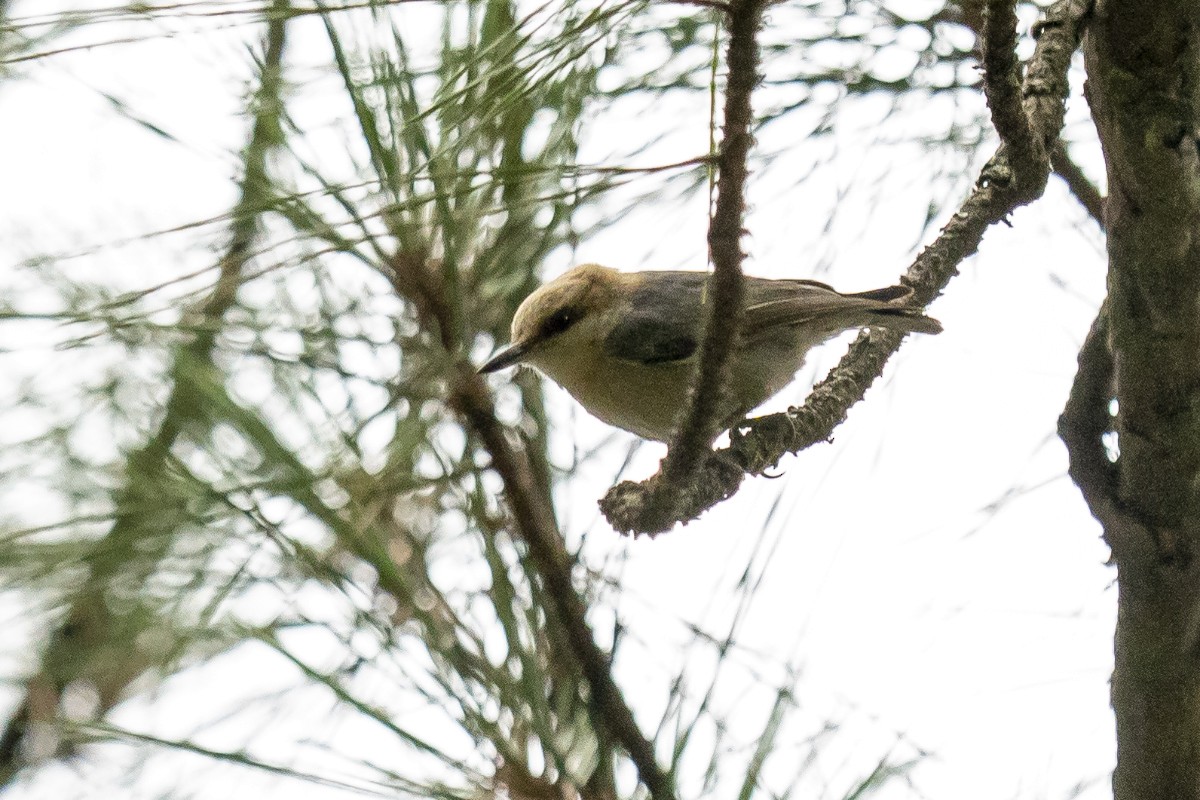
1143, 65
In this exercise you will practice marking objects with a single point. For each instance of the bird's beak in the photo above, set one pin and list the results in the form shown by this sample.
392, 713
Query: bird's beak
507, 357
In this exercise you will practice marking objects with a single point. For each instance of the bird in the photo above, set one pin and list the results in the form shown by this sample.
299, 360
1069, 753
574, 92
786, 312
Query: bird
625, 344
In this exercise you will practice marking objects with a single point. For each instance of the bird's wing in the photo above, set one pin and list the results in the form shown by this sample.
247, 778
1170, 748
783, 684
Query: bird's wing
771, 304
665, 317
662, 322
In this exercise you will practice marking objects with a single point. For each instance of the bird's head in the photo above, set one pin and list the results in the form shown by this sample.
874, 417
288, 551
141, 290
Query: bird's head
565, 315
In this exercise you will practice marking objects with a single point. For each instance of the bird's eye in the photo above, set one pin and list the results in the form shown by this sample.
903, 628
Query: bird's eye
559, 321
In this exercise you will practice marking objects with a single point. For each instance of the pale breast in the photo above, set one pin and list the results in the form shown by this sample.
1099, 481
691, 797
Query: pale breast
643, 399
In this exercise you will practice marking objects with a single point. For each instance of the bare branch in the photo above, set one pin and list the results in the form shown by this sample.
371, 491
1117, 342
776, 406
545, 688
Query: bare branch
1002, 87
699, 425
1080, 185
995, 196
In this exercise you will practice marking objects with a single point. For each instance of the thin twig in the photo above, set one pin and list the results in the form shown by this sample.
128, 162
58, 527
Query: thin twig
766, 440
1080, 185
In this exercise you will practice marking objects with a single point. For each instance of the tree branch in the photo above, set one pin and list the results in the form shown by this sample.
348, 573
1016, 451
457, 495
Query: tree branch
1077, 182
1002, 88
767, 439
699, 425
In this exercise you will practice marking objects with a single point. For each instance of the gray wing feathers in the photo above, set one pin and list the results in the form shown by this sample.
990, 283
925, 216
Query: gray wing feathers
775, 304
664, 318
650, 341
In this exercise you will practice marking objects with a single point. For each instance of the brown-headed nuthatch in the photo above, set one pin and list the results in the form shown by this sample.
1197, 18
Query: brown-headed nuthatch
624, 344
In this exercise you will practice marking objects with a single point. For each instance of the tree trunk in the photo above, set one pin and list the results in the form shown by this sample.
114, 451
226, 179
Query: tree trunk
1143, 66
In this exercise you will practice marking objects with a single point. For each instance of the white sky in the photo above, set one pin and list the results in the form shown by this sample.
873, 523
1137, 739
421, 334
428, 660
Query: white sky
912, 610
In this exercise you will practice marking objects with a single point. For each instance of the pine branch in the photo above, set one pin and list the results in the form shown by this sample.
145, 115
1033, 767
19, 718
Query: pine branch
94, 641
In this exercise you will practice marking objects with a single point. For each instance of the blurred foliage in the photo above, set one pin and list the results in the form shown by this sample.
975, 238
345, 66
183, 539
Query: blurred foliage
246, 455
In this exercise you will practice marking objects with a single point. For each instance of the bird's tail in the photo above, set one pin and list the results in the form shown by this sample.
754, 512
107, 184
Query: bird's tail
897, 311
